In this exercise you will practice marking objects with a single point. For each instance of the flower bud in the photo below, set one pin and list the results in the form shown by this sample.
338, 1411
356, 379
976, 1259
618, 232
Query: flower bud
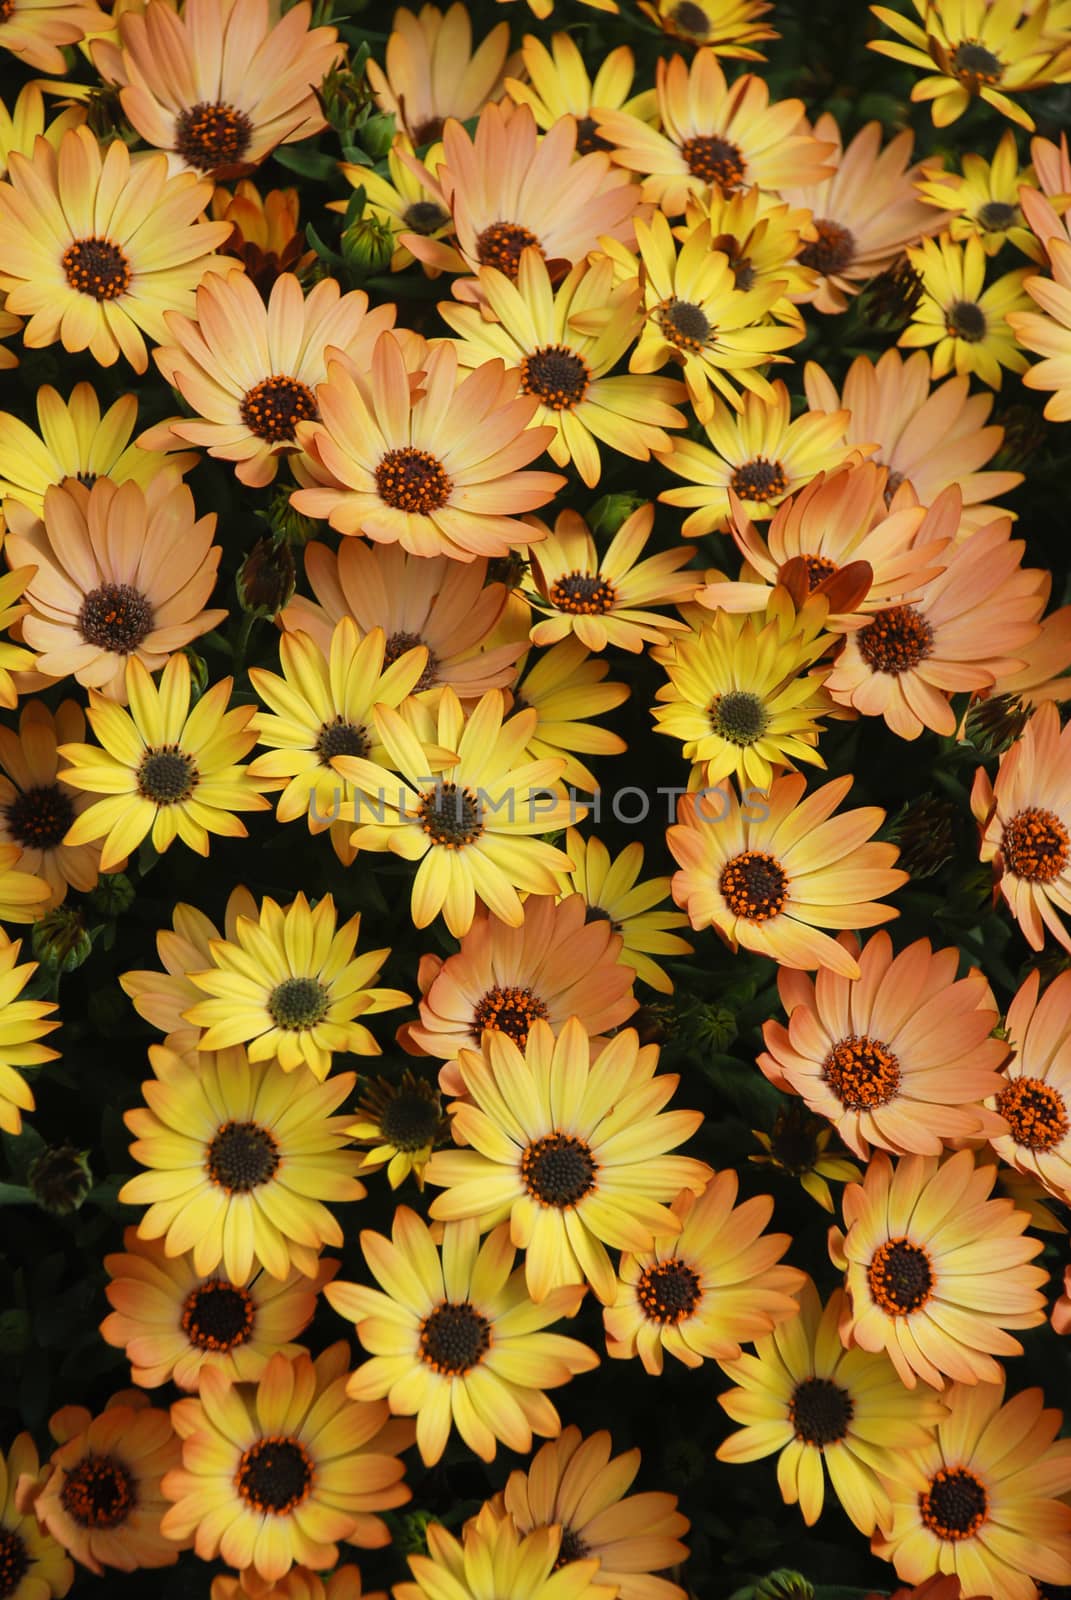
368, 245
59, 1179
61, 939
266, 577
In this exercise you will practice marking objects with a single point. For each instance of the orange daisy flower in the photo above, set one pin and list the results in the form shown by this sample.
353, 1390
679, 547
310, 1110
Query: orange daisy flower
492, 1557
39, 1566
37, 807
1035, 1097
265, 235
21, 127
771, 874
436, 472
219, 86
432, 71
556, 84
1047, 332
730, 28
185, 947
935, 1270
35, 31
899, 1058
301, 1583
122, 573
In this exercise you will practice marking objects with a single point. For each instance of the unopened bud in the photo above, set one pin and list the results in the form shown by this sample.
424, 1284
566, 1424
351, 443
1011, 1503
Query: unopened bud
59, 1179
368, 245
607, 514
61, 940
266, 577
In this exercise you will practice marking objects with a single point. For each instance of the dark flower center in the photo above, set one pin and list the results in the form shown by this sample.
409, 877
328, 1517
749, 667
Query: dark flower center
819, 568
669, 1291
274, 1475
298, 1003
340, 738
99, 1492
509, 1010
739, 717
167, 776
556, 375
996, 216
451, 816
896, 641
38, 818
425, 216
900, 1277
684, 324
965, 320
501, 244
454, 1338
273, 408
218, 1315
715, 160
14, 1557
583, 594
115, 617
1035, 845
754, 885
412, 480
241, 1156
690, 20
955, 1504
396, 647
820, 1411
588, 137
558, 1170
97, 267
832, 251
974, 65
572, 1548
427, 132
211, 134
411, 1117
1035, 1113
759, 479
862, 1072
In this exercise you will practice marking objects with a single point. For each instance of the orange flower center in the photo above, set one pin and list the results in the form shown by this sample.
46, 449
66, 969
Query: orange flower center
275, 1475
583, 594
500, 246
819, 568
413, 480
212, 134
974, 65
218, 1315
398, 644
340, 738
558, 1170
273, 408
556, 375
454, 1338
668, 1291
896, 641
820, 1411
1035, 845
115, 617
900, 1277
966, 320
832, 251
99, 1492
754, 885
96, 267
862, 1072
759, 479
37, 819
510, 1010
451, 816
955, 1505
241, 1156
167, 776
715, 160
14, 1557
684, 324
1035, 1113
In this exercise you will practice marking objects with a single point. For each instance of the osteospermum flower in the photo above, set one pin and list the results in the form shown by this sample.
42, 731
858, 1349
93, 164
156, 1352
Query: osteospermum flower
398, 1125
865, 215
265, 234
771, 873
164, 771
252, 393
989, 1510
278, 1473
96, 285
577, 1485
935, 1270
803, 1147
25, 123
240, 1157
301, 1583
185, 947
37, 807
122, 576
9, 325
984, 200
1048, 332
455, 1340
698, 1293
32, 1562
174, 1322
762, 239
432, 71
471, 827
730, 28
407, 200
573, 1150
760, 453
556, 84
23, 895
22, 1024
102, 1499
555, 964
933, 437
613, 893
290, 986
36, 30
966, 321
1025, 819
961, 632
493, 1552
565, 687
219, 86
815, 1404
713, 134
1034, 1098
900, 1058
437, 473
540, 331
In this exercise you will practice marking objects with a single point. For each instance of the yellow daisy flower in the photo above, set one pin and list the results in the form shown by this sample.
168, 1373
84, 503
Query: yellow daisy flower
762, 238
13, 657
432, 71
38, 1564
289, 986
799, 1146
402, 201
984, 201
8, 326
22, 1024
399, 1124
21, 127
493, 1556
1047, 332
185, 947
556, 84
965, 320
613, 893
565, 686
165, 771
730, 28
23, 896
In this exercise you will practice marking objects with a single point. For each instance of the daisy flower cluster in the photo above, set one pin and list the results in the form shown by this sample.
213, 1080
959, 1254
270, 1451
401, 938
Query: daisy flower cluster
535, 800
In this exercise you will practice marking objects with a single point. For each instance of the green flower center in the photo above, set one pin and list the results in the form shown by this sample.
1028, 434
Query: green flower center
298, 1003
740, 717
